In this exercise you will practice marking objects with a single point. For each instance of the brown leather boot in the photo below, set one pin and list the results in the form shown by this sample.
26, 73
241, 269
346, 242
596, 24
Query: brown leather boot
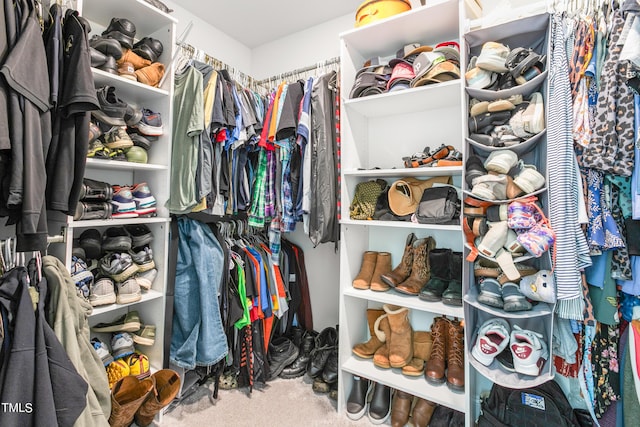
136, 60
455, 356
126, 397
383, 332
421, 350
434, 370
367, 349
167, 386
403, 270
151, 75
383, 266
420, 271
422, 412
401, 339
363, 279
400, 408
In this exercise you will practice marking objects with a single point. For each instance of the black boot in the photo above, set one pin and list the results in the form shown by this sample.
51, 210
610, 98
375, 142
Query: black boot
357, 401
380, 406
453, 294
439, 260
325, 342
282, 353
330, 371
299, 367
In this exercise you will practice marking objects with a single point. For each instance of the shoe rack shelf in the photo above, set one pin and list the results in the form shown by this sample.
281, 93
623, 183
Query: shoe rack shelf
149, 22
376, 132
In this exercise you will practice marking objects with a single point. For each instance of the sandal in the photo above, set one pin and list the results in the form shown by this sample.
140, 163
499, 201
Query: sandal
426, 158
520, 60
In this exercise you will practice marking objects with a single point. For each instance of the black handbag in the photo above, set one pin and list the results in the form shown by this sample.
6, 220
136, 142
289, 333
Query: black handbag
439, 205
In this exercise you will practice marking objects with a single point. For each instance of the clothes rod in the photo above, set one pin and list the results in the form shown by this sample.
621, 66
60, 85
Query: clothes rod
281, 76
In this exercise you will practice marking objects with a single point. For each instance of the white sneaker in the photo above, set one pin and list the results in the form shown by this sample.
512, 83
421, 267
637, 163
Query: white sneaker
493, 57
102, 292
533, 116
493, 338
121, 345
490, 187
529, 179
529, 351
501, 161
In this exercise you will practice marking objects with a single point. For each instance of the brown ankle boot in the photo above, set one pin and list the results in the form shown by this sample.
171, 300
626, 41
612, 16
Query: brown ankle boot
126, 397
422, 412
363, 279
136, 60
383, 332
421, 350
383, 266
401, 339
167, 386
420, 272
434, 370
367, 349
403, 270
401, 408
455, 356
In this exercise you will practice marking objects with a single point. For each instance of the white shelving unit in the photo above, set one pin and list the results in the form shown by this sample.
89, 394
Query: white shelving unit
376, 132
149, 22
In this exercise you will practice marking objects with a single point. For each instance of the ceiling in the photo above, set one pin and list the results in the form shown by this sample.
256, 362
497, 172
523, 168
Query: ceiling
254, 23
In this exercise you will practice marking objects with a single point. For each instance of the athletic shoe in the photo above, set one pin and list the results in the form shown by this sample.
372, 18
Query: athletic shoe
92, 210
529, 179
106, 46
138, 365
112, 108
493, 57
118, 155
81, 276
97, 150
146, 278
122, 30
140, 140
118, 266
501, 161
148, 48
146, 335
150, 124
121, 345
123, 204
102, 292
102, 350
144, 200
116, 371
91, 242
94, 132
116, 239
132, 114
140, 234
129, 322
490, 187
128, 291
513, 299
143, 258
529, 351
490, 293
117, 137
493, 338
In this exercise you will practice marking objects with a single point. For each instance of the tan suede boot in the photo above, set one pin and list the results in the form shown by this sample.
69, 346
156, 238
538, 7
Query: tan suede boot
383, 332
126, 397
367, 349
383, 266
421, 351
401, 339
422, 413
403, 270
420, 271
434, 369
167, 386
363, 279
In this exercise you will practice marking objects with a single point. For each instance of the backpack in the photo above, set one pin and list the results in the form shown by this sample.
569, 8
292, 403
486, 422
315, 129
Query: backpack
541, 406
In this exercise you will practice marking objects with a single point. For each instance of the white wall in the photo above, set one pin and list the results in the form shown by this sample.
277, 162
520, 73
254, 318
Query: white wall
214, 42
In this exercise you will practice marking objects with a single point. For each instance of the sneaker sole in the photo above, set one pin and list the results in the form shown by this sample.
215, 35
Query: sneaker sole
128, 272
148, 211
128, 299
149, 130
107, 360
123, 352
143, 283
117, 244
145, 202
457, 302
124, 215
102, 300
123, 143
143, 341
125, 327
146, 266
113, 121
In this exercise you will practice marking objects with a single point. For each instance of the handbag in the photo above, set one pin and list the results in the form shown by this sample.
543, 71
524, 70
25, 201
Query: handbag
438, 205
405, 193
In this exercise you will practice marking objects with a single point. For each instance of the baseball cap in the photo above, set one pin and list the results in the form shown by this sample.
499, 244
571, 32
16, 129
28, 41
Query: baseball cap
408, 53
369, 83
441, 72
401, 71
451, 51
425, 61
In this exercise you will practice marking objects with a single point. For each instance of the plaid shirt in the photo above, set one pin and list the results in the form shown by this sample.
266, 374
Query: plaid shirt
257, 211
288, 207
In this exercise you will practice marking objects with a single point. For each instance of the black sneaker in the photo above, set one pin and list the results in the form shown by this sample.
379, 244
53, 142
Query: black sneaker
148, 48
91, 243
106, 46
132, 115
112, 109
140, 140
140, 234
116, 239
95, 191
122, 30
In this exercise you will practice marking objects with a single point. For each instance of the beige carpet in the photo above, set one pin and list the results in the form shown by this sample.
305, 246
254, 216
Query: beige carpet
282, 403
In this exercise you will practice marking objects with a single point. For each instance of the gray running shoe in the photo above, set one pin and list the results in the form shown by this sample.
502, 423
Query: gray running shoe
128, 292
143, 258
118, 266
122, 345
146, 279
102, 292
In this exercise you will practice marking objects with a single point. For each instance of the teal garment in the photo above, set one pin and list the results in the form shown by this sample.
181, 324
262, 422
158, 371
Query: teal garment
630, 402
188, 124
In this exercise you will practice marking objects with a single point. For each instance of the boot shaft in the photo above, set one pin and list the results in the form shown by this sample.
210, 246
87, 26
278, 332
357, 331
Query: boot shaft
363, 279
455, 266
402, 270
440, 263
383, 266
439, 335
455, 344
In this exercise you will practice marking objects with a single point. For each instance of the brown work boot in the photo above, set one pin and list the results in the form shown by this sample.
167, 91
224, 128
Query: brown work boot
401, 339
422, 412
167, 386
126, 397
420, 271
136, 60
383, 266
434, 370
363, 279
421, 350
401, 408
383, 332
403, 270
151, 75
455, 356
367, 349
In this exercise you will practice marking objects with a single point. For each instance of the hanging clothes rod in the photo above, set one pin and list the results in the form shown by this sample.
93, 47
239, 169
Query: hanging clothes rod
298, 71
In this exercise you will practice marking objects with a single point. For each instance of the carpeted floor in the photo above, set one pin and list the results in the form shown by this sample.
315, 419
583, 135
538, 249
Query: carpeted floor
282, 403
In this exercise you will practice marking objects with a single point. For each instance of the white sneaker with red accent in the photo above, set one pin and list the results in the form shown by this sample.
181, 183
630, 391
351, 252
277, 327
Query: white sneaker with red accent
529, 351
493, 338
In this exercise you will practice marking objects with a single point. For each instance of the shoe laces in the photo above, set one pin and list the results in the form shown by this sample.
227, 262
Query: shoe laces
456, 344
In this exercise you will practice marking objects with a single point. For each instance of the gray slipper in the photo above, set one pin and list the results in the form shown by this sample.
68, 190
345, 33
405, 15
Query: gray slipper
513, 299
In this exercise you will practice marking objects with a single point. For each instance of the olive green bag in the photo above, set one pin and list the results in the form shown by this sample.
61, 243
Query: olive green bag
364, 200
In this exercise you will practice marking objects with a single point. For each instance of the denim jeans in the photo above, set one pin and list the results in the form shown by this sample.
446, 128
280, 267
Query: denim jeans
198, 337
